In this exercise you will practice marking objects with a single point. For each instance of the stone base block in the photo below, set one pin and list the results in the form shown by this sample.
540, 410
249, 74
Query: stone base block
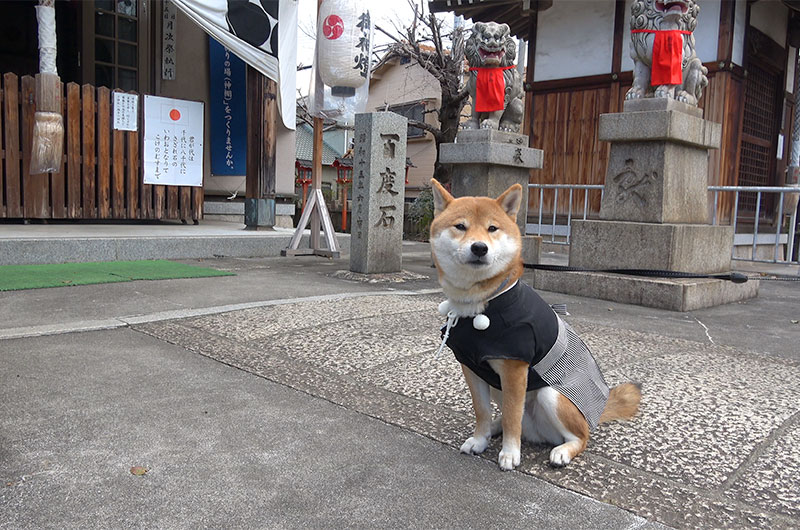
472, 136
703, 249
502, 154
661, 293
656, 182
531, 249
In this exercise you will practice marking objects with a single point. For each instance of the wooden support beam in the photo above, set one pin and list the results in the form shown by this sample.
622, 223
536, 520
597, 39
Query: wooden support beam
262, 113
530, 67
315, 211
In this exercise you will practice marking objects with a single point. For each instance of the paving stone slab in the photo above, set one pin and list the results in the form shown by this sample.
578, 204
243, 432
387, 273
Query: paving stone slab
260, 323
710, 423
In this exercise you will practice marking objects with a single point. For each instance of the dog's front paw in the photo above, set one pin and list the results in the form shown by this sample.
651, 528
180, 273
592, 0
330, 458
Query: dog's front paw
559, 456
508, 459
474, 445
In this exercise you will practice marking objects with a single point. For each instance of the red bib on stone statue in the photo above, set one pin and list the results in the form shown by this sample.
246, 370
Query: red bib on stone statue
667, 56
490, 89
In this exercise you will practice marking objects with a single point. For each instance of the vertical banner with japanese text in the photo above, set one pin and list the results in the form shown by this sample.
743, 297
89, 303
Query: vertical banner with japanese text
228, 111
173, 142
168, 39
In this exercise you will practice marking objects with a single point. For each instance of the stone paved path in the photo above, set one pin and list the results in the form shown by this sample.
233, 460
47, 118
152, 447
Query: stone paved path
715, 443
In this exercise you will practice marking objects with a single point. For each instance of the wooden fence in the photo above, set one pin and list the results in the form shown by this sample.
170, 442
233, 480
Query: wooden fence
101, 171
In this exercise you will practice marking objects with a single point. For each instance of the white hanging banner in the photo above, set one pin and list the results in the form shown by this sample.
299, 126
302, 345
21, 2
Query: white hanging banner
173, 142
263, 33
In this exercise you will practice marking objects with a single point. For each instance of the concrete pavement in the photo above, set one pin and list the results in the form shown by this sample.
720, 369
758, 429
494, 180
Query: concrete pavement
288, 396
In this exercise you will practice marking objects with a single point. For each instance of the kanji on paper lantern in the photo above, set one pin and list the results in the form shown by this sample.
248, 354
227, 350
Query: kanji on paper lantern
343, 45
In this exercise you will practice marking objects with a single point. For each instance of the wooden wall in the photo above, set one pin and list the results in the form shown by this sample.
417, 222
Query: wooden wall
100, 176
565, 127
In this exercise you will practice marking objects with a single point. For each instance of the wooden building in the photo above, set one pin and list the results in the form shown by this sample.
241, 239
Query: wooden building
579, 67
103, 46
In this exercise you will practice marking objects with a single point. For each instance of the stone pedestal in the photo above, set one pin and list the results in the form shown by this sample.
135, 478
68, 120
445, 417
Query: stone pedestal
379, 165
486, 162
658, 163
696, 248
654, 215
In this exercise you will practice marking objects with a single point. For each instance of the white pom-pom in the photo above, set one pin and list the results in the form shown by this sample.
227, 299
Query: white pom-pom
444, 308
480, 322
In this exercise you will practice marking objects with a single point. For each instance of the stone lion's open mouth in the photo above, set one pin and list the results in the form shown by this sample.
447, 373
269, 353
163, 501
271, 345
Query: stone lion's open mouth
491, 54
672, 6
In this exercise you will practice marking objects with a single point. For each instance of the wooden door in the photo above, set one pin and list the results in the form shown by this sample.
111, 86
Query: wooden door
116, 44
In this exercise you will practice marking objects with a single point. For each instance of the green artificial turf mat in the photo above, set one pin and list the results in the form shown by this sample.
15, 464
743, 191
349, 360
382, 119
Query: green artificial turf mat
15, 277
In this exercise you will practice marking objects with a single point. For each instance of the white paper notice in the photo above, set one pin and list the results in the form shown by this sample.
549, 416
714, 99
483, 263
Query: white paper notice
173, 142
126, 112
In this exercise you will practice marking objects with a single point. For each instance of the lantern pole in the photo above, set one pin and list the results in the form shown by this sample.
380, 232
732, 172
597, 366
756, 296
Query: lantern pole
315, 209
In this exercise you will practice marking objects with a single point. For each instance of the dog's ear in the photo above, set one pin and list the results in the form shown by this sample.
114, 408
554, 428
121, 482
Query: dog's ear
510, 200
441, 198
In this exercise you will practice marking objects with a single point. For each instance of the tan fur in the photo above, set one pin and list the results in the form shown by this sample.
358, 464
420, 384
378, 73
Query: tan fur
623, 403
550, 416
478, 213
514, 380
572, 419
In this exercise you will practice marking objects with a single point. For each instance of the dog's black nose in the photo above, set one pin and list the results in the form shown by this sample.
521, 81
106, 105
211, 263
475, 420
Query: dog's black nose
479, 249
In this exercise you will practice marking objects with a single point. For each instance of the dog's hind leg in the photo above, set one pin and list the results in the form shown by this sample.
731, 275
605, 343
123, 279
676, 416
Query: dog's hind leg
482, 404
561, 423
514, 380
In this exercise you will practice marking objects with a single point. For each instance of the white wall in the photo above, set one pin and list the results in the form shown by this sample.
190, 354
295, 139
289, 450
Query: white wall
574, 39
284, 159
706, 35
770, 18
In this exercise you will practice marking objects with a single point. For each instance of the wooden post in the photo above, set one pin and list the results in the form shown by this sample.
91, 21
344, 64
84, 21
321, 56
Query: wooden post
262, 113
315, 210
48, 128
527, 119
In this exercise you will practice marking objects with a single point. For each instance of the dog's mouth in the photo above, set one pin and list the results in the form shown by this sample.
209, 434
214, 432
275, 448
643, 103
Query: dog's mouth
491, 56
677, 7
478, 262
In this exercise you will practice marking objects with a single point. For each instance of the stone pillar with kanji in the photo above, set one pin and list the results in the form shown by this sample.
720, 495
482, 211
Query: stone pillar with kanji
379, 162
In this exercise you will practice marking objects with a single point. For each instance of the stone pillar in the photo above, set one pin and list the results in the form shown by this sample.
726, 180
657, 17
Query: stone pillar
656, 193
654, 214
487, 161
376, 233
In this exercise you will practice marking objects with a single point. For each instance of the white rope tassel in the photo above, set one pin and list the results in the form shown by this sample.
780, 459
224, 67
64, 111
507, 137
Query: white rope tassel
46, 17
452, 320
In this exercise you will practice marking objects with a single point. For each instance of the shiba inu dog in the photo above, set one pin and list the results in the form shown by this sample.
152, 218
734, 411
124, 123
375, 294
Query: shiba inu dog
513, 348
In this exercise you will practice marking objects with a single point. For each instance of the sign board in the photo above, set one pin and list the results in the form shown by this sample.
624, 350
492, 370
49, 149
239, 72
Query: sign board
168, 39
228, 141
126, 112
173, 142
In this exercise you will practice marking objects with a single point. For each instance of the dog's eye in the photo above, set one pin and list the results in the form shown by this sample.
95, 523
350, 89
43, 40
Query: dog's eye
460, 226
492, 228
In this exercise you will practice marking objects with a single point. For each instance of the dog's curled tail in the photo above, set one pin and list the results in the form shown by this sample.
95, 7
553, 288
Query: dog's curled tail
623, 402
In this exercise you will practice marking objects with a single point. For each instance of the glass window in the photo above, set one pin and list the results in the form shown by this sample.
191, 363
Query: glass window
104, 50
127, 54
127, 29
127, 7
127, 79
104, 75
103, 24
412, 111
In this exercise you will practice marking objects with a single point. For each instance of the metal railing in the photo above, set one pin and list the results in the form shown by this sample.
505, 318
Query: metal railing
778, 238
553, 228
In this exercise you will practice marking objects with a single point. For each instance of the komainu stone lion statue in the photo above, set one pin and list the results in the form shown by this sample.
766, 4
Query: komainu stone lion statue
663, 51
494, 84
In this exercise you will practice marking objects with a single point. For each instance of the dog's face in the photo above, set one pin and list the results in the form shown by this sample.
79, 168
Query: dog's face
474, 238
